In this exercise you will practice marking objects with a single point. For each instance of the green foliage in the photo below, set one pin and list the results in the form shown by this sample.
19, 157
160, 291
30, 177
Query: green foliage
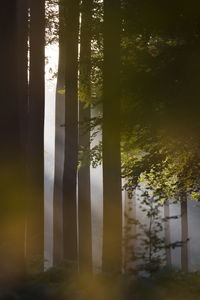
146, 249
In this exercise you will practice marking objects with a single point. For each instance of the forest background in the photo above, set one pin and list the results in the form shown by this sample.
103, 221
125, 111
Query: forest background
136, 63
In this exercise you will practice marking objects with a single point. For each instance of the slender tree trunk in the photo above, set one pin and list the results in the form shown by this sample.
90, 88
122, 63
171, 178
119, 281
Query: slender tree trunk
167, 233
71, 131
112, 204
84, 199
35, 223
59, 144
11, 172
184, 233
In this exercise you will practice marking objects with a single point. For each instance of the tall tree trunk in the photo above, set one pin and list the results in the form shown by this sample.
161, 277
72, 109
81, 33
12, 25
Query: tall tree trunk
35, 222
84, 199
112, 204
59, 144
11, 172
22, 68
22, 93
184, 233
71, 131
167, 233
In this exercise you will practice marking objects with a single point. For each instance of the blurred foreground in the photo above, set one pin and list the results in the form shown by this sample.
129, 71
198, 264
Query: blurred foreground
66, 284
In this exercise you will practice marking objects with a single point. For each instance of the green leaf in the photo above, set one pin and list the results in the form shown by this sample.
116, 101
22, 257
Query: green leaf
61, 92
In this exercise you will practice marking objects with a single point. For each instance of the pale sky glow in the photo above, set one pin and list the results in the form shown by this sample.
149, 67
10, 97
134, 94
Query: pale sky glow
96, 174
51, 52
49, 140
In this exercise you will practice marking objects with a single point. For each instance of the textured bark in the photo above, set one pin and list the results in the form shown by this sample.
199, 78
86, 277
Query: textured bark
35, 219
112, 210
59, 145
71, 131
84, 199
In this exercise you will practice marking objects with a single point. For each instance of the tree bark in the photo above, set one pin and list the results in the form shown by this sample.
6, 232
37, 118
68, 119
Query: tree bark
112, 203
84, 199
35, 218
71, 131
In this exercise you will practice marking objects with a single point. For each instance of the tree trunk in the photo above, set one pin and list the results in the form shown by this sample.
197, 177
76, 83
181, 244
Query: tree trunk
35, 222
167, 233
71, 131
84, 199
59, 144
22, 93
112, 204
11, 171
184, 233
22, 68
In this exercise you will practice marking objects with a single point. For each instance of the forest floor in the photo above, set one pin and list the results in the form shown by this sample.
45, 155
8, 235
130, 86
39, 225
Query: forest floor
55, 284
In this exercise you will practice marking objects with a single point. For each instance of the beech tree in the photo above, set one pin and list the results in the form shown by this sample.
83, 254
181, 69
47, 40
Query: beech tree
184, 233
167, 233
35, 217
71, 131
84, 199
112, 204
11, 170
22, 33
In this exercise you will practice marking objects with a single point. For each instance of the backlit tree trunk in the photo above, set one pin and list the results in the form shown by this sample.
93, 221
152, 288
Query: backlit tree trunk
71, 131
84, 199
167, 233
11, 170
112, 203
184, 233
35, 218
59, 144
